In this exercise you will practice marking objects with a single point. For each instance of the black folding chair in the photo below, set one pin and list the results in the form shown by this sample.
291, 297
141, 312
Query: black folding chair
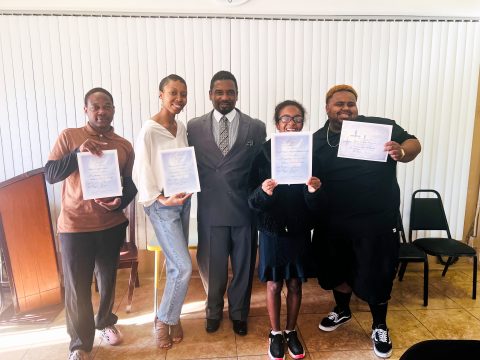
408, 252
429, 214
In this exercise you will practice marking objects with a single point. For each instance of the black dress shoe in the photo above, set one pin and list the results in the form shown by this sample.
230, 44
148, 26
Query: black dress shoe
240, 327
212, 325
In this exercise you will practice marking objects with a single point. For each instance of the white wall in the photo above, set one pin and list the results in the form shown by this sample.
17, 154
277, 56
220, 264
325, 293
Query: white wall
470, 8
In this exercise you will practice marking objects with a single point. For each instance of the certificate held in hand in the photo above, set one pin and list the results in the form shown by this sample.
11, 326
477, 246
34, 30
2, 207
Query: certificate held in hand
179, 169
99, 175
292, 157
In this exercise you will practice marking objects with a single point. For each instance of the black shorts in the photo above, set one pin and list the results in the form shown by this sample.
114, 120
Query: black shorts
368, 263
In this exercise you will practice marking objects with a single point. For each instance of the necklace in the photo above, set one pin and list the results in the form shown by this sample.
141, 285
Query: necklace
328, 141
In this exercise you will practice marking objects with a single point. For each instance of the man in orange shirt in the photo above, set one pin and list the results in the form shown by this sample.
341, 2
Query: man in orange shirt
91, 232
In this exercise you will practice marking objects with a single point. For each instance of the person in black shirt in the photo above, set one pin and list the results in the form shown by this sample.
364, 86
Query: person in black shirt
357, 240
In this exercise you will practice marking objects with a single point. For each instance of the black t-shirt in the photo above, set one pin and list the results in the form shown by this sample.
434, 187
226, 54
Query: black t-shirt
362, 195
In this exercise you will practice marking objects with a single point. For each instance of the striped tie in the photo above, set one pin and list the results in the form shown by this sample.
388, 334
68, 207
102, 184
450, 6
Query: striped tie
223, 143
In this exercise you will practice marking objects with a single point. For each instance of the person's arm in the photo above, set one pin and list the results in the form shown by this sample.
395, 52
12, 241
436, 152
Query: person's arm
128, 193
404, 152
411, 148
58, 170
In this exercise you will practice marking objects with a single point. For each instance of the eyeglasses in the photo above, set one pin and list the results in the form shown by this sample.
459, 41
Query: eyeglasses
285, 119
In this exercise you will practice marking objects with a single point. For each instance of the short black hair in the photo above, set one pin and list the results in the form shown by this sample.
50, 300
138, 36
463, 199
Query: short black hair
171, 77
97, 89
283, 105
223, 75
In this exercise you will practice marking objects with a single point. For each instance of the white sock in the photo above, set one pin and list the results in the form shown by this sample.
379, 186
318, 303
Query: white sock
276, 332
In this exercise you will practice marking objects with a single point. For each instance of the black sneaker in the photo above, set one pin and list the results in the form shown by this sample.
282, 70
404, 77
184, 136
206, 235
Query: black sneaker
276, 349
295, 348
335, 319
382, 345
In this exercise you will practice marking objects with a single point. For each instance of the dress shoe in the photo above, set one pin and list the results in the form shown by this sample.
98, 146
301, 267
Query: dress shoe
212, 325
240, 327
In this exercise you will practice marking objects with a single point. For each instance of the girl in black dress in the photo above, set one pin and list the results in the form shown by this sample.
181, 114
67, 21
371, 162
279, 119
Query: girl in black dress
284, 221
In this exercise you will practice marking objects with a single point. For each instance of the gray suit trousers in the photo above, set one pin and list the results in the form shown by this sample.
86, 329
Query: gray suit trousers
215, 245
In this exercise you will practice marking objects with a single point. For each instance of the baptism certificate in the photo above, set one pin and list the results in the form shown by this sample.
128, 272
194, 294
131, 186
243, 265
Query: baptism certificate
292, 157
179, 169
99, 175
364, 141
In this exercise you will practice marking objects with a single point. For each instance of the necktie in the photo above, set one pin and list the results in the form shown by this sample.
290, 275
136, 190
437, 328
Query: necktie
223, 143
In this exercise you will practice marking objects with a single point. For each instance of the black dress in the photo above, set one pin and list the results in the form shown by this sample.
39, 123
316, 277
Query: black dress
285, 224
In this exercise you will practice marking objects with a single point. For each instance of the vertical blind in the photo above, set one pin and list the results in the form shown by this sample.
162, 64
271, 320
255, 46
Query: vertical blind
422, 73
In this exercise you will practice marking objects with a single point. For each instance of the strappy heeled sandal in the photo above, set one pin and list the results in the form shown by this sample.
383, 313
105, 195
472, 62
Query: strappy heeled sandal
162, 337
176, 332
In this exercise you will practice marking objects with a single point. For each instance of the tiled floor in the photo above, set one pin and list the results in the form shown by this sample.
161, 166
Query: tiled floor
451, 314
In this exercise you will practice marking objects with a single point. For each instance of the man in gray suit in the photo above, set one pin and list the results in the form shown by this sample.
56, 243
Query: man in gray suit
225, 141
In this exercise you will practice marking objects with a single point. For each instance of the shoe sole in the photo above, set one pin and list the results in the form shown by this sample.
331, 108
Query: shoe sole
382, 355
298, 356
331, 328
271, 357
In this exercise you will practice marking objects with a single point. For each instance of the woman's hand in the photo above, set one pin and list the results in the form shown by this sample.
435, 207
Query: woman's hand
313, 184
268, 186
174, 200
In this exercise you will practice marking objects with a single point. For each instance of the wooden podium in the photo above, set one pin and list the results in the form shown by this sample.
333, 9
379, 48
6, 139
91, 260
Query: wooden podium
28, 242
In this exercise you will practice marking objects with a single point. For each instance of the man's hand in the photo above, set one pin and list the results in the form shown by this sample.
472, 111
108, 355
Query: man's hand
395, 150
109, 204
268, 186
313, 184
174, 200
92, 146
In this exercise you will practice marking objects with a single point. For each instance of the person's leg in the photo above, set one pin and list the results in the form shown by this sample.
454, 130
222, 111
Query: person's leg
274, 303
376, 257
294, 300
169, 231
108, 243
78, 261
242, 257
212, 257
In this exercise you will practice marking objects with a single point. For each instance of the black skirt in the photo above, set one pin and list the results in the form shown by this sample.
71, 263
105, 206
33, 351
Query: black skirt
285, 256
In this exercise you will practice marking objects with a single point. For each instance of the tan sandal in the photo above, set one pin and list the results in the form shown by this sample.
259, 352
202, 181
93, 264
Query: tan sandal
162, 337
176, 332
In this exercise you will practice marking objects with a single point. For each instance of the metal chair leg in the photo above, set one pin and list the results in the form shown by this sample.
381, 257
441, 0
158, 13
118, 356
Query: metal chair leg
425, 282
474, 290
447, 264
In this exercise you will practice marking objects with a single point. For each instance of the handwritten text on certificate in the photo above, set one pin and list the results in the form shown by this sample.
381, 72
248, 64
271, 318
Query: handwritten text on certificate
364, 141
292, 157
179, 169
99, 175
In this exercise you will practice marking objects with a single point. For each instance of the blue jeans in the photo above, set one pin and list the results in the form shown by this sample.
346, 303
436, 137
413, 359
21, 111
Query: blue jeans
171, 229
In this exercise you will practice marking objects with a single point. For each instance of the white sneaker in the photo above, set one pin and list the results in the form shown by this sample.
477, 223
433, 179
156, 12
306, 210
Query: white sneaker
111, 335
78, 355
382, 345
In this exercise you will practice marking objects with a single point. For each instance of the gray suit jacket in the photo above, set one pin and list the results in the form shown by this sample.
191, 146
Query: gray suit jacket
224, 179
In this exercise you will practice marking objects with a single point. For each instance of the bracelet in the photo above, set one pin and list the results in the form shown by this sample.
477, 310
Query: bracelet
403, 153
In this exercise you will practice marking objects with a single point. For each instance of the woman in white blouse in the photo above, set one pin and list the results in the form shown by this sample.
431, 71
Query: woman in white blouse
169, 215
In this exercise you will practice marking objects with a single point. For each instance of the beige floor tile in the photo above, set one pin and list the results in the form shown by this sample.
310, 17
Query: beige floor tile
344, 355
405, 329
256, 341
50, 352
449, 323
197, 343
316, 300
409, 293
350, 336
459, 292
13, 355
358, 305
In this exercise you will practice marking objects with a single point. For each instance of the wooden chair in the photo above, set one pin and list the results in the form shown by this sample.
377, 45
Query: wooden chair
129, 255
